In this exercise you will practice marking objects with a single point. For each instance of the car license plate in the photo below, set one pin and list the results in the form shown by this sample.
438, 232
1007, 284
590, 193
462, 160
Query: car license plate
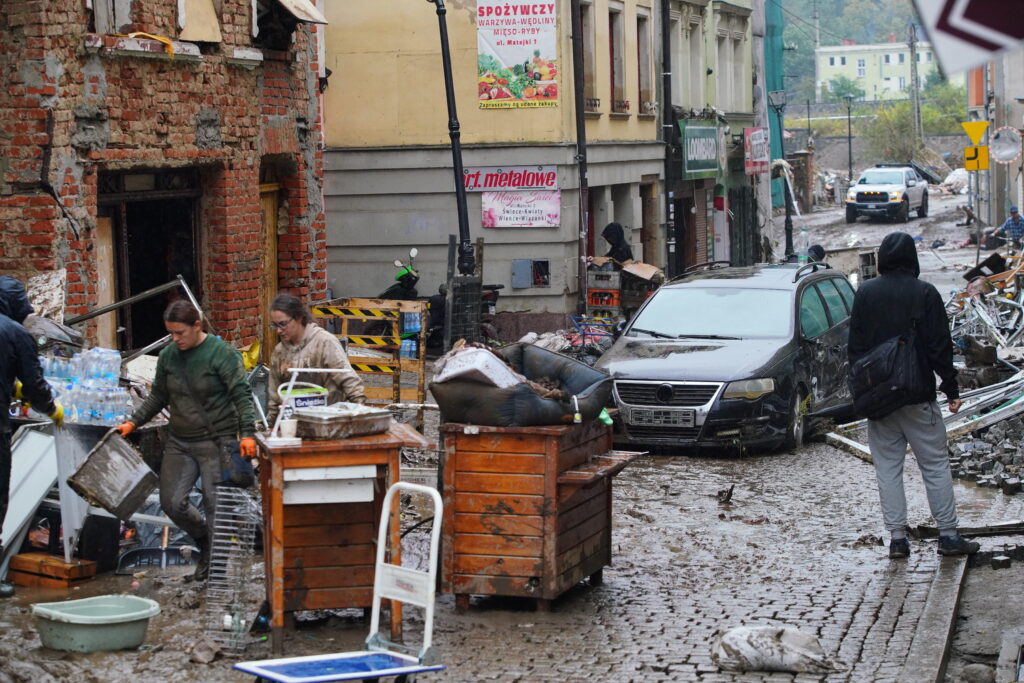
661, 418
872, 206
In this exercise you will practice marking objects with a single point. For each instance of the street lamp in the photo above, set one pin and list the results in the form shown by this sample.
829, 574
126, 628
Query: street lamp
849, 137
777, 101
466, 261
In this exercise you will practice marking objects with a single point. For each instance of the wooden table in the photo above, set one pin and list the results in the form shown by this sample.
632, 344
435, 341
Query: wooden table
321, 510
527, 510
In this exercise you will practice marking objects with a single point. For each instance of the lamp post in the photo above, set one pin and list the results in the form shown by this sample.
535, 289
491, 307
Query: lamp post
777, 101
849, 137
466, 261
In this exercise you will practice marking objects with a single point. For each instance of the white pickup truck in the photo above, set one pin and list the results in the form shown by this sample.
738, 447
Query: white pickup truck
889, 190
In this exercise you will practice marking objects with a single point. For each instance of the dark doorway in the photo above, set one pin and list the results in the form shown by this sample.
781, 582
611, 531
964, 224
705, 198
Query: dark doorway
156, 238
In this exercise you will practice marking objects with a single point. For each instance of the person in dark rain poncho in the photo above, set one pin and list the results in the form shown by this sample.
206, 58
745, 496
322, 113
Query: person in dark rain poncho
614, 234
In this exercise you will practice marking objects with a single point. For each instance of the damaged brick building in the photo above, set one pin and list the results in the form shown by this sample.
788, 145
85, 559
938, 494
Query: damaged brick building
140, 140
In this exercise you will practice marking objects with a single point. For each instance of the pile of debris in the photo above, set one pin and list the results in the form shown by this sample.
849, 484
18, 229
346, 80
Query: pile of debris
955, 182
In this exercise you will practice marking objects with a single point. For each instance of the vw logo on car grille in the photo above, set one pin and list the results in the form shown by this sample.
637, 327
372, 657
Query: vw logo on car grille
664, 394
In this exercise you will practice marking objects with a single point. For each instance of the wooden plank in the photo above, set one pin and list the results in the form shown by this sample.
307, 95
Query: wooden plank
505, 463
312, 515
509, 525
385, 395
103, 258
491, 442
573, 575
471, 584
329, 534
30, 580
524, 484
594, 443
849, 445
578, 533
330, 556
329, 577
485, 544
327, 598
592, 507
53, 566
577, 554
552, 448
496, 504
494, 565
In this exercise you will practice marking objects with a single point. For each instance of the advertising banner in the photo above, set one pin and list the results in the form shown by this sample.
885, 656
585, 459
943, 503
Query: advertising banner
522, 209
756, 154
484, 178
517, 54
700, 149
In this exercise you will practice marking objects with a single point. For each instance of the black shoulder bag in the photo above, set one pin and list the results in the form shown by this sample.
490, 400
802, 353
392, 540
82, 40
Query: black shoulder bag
888, 375
234, 469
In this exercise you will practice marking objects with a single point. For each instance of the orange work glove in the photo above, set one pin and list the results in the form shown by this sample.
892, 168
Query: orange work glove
247, 447
125, 428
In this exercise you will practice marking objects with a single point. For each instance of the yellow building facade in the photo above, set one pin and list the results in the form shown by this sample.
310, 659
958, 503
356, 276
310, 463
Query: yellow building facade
389, 184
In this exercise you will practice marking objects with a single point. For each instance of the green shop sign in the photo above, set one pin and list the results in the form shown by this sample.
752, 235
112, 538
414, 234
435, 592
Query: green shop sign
700, 149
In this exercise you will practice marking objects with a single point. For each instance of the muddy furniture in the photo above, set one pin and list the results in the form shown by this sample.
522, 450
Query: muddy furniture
321, 505
527, 510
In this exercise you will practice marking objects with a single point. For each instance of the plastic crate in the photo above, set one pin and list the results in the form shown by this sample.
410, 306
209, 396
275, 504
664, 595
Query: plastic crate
603, 298
605, 312
604, 279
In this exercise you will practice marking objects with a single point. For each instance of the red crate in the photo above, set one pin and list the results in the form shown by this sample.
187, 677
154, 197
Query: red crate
603, 297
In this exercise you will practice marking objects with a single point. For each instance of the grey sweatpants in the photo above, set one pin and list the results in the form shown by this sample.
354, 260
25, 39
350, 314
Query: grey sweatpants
921, 426
185, 462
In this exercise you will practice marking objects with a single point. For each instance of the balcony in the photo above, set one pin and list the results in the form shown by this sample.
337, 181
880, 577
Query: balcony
620, 108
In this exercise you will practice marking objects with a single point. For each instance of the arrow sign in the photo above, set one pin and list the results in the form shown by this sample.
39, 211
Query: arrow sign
976, 158
974, 130
967, 33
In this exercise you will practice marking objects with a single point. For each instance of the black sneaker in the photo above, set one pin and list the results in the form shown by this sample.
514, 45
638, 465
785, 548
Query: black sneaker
899, 548
957, 545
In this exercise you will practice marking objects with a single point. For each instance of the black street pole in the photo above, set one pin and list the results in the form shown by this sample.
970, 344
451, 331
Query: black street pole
786, 191
466, 260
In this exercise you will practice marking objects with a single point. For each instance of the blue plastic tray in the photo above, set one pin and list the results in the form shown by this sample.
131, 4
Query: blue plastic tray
346, 666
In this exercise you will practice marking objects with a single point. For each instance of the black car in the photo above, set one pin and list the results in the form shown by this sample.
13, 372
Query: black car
733, 357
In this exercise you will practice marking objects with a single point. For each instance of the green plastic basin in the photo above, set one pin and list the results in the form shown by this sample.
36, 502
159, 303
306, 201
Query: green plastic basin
105, 622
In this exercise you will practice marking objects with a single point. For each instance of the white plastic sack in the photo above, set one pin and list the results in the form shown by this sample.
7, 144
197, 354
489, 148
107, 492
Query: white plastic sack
477, 365
770, 648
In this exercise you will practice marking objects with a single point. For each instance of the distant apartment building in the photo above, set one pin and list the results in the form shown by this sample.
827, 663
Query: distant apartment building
883, 70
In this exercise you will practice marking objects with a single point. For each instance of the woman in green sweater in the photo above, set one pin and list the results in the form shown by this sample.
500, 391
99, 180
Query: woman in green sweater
201, 380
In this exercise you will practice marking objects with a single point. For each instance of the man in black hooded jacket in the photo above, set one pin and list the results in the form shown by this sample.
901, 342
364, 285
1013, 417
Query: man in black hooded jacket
18, 361
882, 309
615, 235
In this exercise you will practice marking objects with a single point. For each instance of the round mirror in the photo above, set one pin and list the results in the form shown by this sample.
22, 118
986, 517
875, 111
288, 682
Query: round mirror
413, 252
1004, 147
398, 264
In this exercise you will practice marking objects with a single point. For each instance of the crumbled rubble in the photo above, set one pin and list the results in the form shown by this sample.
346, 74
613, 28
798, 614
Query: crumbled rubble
993, 457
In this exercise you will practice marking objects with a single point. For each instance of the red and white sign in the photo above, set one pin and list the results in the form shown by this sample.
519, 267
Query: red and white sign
522, 209
968, 33
757, 154
487, 178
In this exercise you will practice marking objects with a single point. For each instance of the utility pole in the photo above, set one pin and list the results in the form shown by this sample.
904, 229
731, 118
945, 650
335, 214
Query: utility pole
915, 88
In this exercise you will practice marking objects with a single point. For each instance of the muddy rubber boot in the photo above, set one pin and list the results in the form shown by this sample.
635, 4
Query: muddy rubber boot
203, 564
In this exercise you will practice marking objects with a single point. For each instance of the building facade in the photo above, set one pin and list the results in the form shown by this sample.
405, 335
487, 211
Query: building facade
389, 182
145, 140
882, 71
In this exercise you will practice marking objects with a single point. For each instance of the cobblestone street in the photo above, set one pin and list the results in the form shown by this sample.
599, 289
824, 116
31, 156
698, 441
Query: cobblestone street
790, 549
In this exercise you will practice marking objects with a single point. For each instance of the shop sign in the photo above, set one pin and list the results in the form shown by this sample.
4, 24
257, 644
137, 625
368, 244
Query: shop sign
522, 209
517, 54
700, 149
484, 178
757, 155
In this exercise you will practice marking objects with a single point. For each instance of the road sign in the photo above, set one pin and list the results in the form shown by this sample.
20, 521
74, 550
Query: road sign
974, 130
967, 33
976, 158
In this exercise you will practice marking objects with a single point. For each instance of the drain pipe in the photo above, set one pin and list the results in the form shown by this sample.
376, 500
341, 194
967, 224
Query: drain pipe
666, 131
581, 153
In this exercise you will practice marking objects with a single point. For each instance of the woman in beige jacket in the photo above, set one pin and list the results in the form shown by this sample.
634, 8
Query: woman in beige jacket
304, 344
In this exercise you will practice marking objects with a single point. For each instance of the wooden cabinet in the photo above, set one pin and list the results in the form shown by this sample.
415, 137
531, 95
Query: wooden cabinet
320, 549
527, 510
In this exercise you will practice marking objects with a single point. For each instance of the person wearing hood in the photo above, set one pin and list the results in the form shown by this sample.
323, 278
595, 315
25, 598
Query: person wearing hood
615, 235
882, 309
21, 375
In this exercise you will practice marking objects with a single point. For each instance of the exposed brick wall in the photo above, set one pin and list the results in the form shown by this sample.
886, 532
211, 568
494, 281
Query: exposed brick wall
76, 106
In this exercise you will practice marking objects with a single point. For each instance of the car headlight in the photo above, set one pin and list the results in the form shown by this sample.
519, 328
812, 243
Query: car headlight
894, 196
749, 388
852, 195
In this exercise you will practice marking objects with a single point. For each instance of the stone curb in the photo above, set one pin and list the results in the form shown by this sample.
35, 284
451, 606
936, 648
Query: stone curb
929, 650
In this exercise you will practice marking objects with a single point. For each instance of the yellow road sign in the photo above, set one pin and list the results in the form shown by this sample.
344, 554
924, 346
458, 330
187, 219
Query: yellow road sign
976, 158
974, 130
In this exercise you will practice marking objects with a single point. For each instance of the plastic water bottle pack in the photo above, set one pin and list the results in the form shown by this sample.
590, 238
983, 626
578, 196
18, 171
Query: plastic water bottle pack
88, 386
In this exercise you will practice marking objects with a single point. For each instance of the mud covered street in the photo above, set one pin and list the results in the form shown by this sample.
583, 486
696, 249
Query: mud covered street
797, 545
